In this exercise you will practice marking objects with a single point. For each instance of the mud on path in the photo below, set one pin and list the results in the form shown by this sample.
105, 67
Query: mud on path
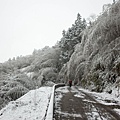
74, 104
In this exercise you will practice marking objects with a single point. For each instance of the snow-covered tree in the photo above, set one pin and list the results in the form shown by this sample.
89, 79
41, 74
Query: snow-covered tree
70, 38
95, 60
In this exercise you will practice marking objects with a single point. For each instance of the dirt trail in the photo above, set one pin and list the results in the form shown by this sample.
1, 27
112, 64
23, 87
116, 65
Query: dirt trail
77, 105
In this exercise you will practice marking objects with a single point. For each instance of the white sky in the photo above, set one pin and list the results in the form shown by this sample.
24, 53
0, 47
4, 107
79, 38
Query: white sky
26, 25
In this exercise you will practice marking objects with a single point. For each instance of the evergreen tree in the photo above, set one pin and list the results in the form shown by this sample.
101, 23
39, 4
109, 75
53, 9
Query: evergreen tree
70, 38
63, 32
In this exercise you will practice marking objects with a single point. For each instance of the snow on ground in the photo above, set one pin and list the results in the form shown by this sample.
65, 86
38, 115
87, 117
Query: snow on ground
31, 106
117, 110
60, 92
69, 114
63, 89
79, 95
106, 98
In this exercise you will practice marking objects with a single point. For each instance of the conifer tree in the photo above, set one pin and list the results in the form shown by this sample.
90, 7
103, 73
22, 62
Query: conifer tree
70, 38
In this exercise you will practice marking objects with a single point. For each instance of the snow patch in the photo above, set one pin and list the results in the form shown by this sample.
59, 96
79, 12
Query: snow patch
31, 106
69, 114
117, 110
95, 115
89, 101
104, 97
79, 95
63, 89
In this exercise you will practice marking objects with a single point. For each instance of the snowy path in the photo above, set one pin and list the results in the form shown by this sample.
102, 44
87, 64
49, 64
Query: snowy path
31, 106
75, 104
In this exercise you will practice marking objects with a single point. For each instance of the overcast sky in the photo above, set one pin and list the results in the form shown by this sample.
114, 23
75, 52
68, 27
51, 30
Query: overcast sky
26, 25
